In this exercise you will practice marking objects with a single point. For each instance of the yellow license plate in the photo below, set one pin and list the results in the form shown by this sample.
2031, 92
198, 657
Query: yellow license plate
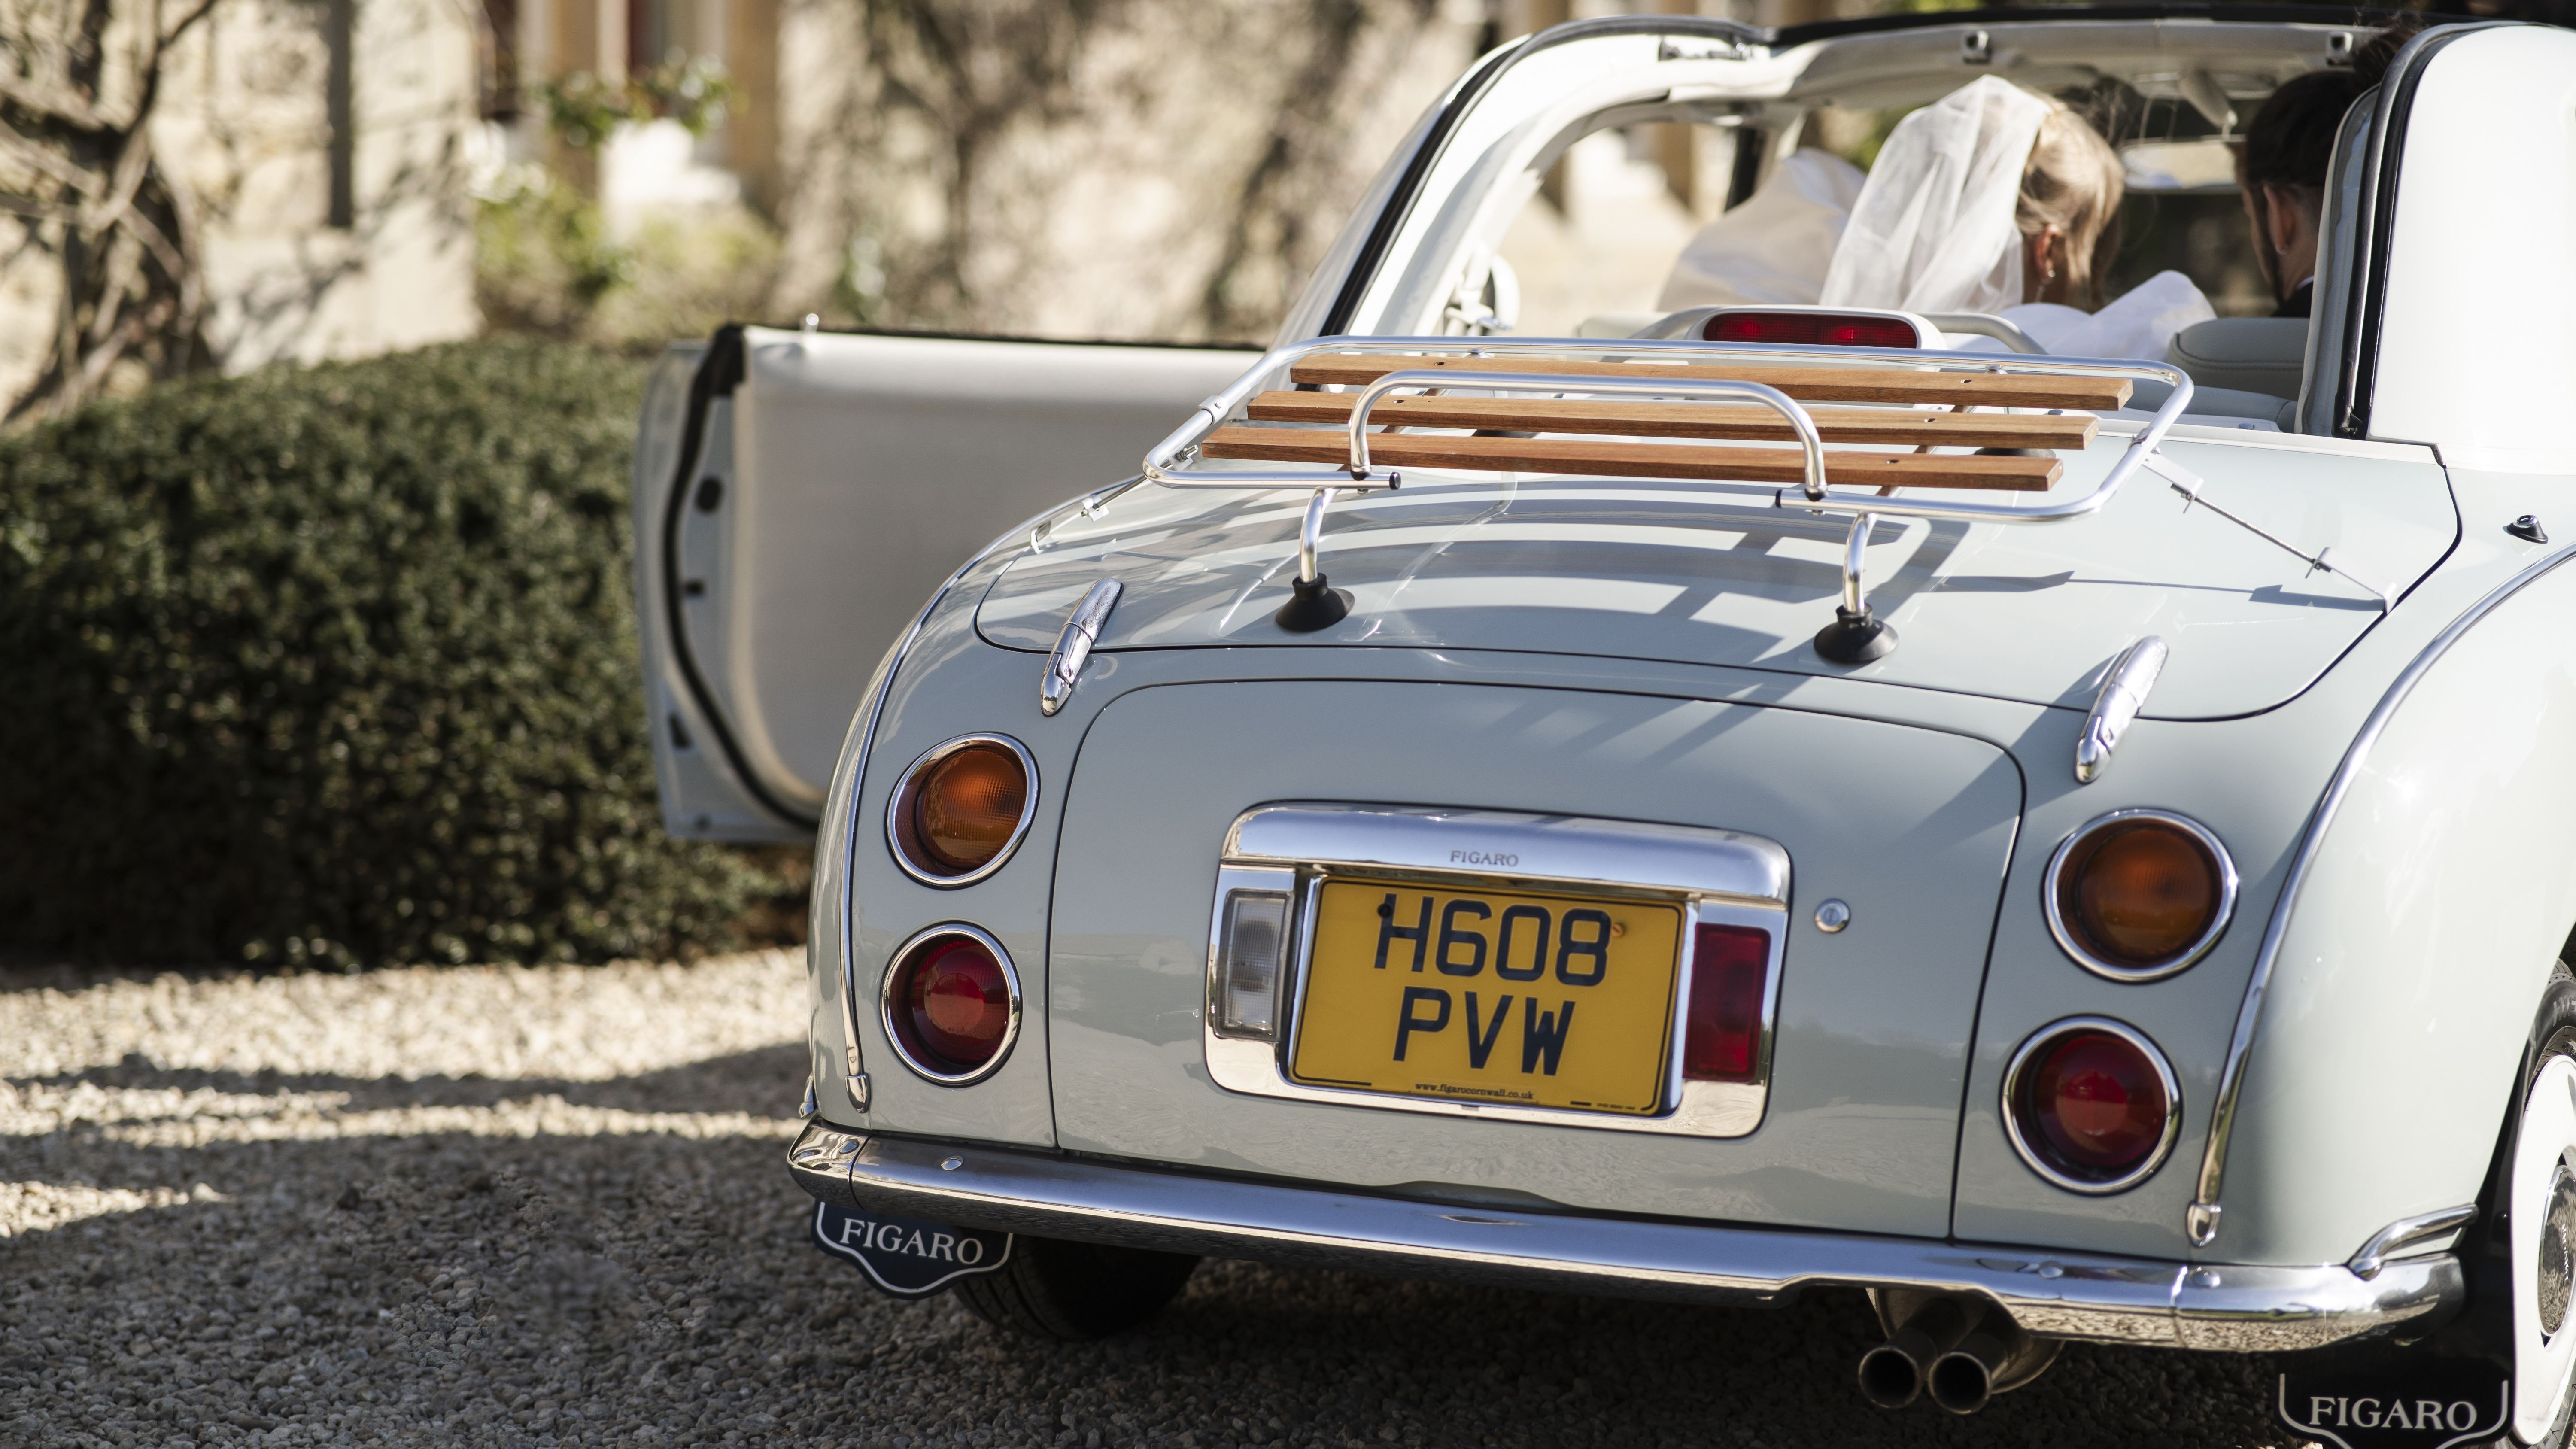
1487, 996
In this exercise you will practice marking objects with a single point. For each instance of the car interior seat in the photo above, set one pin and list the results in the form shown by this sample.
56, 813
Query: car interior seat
2245, 354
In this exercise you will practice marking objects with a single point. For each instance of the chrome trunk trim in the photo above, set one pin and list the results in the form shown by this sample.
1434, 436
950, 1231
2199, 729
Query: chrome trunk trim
1719, 864
2414, 1234
2124, 692
1715, 876
2089, 1297
1073, 647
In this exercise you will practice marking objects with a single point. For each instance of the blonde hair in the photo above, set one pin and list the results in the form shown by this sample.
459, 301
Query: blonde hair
2074, 182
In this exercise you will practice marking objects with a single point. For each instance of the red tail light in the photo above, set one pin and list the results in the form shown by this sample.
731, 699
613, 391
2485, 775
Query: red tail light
1730, 965
1810, 329
2091, 1104
952, 1004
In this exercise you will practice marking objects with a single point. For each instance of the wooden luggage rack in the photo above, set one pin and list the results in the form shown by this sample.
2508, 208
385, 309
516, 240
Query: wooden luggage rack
1596, 407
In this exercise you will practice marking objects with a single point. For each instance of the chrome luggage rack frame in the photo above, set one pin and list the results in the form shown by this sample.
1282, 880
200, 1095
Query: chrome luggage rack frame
1855, 636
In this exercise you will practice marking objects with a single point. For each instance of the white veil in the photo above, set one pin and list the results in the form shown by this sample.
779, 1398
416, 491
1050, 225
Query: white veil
1776, 245
1933, 230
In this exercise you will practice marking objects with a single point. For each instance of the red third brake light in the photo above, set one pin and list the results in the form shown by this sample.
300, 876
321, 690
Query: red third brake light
1810, 329
1729, 967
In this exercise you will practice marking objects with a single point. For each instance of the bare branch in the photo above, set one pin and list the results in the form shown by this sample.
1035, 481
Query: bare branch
171, 36
37, 209
57, 106
29, 153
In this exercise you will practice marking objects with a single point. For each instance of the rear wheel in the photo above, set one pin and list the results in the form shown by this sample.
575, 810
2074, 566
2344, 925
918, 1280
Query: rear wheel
1074, 1291
2539, 1194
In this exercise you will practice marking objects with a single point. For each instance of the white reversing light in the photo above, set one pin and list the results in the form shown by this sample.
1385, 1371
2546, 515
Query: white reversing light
1251, 948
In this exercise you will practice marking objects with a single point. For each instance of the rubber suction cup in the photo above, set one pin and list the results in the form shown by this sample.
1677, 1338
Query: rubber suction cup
1314, 606
1856, 638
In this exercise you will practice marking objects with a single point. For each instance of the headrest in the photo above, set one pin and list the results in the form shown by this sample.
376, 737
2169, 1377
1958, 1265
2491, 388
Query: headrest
2249, 354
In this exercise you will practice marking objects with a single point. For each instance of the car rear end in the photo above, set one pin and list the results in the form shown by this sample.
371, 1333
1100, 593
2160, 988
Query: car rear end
1544, 921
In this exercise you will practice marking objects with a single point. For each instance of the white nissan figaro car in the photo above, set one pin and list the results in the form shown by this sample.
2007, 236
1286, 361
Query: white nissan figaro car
2080, 849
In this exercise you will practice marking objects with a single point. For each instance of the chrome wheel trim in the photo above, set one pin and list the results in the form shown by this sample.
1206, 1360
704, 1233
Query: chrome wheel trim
2071, 941
886, 1004
2554, 1270
2543, 1138
907, 786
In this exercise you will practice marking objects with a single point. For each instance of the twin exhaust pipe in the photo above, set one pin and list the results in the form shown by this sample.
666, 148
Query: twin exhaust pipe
1961, 1351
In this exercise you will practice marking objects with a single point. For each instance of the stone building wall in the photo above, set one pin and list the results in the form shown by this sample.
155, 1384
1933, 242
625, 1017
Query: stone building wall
1165, 169
322, 146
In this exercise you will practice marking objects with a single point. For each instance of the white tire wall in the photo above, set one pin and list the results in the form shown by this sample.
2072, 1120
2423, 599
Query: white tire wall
2541, 1359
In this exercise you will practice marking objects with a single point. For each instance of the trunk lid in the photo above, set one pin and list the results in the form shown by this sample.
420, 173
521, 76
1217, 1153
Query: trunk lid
1860, 1127
1714, 575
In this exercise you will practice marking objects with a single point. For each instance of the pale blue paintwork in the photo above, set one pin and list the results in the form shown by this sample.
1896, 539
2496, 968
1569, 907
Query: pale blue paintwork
1121, 1063
1717, 575
1638, 651
1860, 1123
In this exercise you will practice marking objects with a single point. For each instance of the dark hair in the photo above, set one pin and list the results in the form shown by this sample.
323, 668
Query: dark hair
2292, 139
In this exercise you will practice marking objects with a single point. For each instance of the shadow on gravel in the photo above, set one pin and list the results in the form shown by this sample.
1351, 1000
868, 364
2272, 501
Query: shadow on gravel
740, 1081
504, 1286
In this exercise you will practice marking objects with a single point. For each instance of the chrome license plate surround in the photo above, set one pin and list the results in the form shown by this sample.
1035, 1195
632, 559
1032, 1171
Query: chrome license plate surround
1714, 876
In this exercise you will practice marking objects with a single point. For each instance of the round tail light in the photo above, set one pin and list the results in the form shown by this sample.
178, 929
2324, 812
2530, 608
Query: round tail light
2091, 1105
952, 1004
2140, 894
961, 808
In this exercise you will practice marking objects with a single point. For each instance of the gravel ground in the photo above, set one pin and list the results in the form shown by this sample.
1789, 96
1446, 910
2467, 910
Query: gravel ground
509, 1207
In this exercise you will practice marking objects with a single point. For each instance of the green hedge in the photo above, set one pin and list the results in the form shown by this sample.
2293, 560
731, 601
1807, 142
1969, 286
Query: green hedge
338, 665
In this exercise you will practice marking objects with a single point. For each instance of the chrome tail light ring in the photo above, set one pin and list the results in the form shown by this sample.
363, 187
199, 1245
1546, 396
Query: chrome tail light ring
2071, 940
899, 833
895, 1034
2029, 1152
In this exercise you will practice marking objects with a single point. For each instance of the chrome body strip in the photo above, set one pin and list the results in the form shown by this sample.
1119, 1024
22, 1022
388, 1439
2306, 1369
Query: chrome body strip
2083, 1296
1718, 877
1721, 864
1073, 647
2415, 1232
872, 706
2124, 693
2201, 1218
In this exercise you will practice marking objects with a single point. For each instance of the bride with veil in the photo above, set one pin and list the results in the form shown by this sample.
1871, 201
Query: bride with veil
1993, 199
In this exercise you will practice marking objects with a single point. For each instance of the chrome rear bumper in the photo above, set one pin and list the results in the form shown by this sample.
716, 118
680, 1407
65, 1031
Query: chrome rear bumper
2080, 1296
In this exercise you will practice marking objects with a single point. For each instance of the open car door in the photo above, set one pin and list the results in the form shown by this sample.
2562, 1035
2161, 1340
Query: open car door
798, 495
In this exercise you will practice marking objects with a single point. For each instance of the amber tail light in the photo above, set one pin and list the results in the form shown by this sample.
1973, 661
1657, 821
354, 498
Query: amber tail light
2140, 894
1730, 969
961, 809
952, 1004
2091, 1105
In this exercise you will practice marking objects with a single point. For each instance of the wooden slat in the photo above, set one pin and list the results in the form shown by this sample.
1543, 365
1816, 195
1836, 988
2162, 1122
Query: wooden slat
1636, 460
1686, 420
1807, 384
